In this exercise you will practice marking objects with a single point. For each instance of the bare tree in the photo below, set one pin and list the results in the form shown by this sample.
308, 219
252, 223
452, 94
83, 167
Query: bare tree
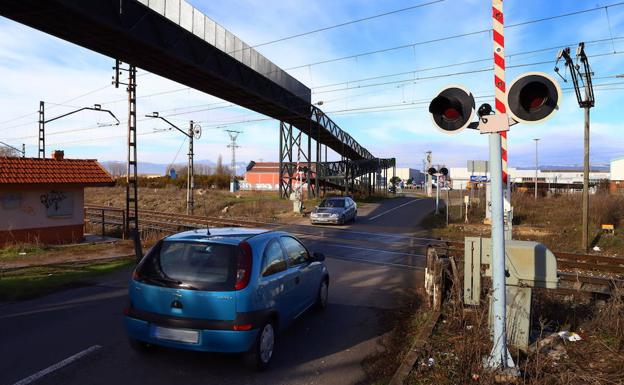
220, 170
8, 151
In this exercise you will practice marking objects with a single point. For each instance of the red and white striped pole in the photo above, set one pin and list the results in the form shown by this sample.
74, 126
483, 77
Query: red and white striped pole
499, 75
499, 357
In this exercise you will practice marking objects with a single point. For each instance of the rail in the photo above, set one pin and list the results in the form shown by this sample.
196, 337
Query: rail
584, 272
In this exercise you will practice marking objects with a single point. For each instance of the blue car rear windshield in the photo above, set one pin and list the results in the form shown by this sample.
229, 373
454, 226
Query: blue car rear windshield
332, 203
202, 266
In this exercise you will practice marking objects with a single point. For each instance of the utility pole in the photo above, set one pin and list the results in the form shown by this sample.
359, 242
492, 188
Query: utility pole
194, 132
429, 177
190, 173
536, 166
41, 152
233, 136
586, 102
132, 192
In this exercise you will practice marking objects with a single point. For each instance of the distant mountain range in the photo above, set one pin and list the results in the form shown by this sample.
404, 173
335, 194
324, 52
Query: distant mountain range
117, 168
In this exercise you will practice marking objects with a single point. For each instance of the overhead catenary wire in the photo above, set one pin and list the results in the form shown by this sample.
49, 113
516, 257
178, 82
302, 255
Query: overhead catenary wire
451, 37
411, 45
343, 24
372, 52
364, 109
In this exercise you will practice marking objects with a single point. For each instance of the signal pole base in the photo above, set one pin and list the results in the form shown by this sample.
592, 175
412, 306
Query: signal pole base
493, 362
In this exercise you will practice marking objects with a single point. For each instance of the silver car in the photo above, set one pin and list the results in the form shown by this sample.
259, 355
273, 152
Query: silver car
337, 210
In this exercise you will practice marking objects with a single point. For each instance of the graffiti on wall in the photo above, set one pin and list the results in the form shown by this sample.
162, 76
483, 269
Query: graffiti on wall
57, 203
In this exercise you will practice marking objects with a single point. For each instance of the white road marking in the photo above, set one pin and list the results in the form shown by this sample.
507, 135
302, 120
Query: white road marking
57, 366
392, 209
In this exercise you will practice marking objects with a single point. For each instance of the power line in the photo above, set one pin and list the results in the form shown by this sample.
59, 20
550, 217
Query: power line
450, 37
347, 23
379, 108
488, 59
605, 7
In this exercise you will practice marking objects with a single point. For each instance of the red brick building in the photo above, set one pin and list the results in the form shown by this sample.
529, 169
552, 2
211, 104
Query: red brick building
262, 173
265, 176
42, 200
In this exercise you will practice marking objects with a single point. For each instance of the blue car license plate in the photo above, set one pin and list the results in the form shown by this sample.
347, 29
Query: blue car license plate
177, 335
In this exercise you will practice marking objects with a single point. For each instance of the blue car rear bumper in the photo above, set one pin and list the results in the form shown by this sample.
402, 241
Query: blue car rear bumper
220, 341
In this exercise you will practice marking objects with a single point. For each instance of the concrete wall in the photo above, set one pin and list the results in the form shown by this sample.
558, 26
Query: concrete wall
54, 215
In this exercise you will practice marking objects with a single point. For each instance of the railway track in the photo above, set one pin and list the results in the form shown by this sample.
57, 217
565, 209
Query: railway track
584, 272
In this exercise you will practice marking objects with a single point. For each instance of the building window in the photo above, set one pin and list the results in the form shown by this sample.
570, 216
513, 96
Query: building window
11, 201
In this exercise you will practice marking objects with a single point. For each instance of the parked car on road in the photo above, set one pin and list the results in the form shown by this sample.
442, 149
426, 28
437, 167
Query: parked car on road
223, 290
336, 210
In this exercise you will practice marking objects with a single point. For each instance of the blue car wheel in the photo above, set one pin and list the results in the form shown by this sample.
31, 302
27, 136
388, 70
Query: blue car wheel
261, 353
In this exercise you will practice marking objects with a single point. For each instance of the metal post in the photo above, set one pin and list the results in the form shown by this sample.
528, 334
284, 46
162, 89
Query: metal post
317, 179
585, 238
190, 182
41, 153
498, 357
132, 194
429, 178
437, 192
103, 224
448, 203
536, 166
23, 150
461, 201
281, 158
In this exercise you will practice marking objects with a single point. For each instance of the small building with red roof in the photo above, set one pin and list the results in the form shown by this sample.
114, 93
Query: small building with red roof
42, 200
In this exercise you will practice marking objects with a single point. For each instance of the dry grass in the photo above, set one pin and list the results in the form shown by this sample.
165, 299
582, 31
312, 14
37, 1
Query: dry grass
461, 341
246, 204
554, 221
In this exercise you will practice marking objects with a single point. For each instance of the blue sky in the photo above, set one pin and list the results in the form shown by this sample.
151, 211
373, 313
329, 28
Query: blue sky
37, 67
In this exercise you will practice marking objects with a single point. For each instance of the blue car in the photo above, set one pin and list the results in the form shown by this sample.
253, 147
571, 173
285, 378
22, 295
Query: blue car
224, 290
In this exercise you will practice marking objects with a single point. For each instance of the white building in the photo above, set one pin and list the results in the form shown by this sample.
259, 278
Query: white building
460, 176
406, 173
617, 169
617, 175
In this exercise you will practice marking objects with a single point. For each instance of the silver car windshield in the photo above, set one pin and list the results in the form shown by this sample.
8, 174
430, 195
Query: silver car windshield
330, 203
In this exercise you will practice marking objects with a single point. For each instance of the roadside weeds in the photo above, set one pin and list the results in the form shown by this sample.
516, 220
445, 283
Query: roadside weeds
32, 282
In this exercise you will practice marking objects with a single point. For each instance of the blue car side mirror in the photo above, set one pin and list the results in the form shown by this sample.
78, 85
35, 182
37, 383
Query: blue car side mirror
316, 256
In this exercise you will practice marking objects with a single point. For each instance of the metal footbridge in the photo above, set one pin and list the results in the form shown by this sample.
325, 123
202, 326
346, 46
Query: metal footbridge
173, 39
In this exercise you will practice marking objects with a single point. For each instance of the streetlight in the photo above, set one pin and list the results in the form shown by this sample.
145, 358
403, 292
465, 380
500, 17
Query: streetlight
194, 132
43, 122
536, 141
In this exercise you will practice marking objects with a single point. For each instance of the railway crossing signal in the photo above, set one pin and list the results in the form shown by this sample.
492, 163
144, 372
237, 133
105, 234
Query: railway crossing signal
452, 109
531, 98
442, 172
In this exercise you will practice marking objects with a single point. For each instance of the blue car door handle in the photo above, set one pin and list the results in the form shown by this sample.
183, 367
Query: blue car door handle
297, 280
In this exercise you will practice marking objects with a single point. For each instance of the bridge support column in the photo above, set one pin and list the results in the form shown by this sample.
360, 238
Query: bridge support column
309, 166
286, 165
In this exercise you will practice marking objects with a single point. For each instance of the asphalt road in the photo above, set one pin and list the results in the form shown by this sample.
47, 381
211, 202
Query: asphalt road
375, 266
